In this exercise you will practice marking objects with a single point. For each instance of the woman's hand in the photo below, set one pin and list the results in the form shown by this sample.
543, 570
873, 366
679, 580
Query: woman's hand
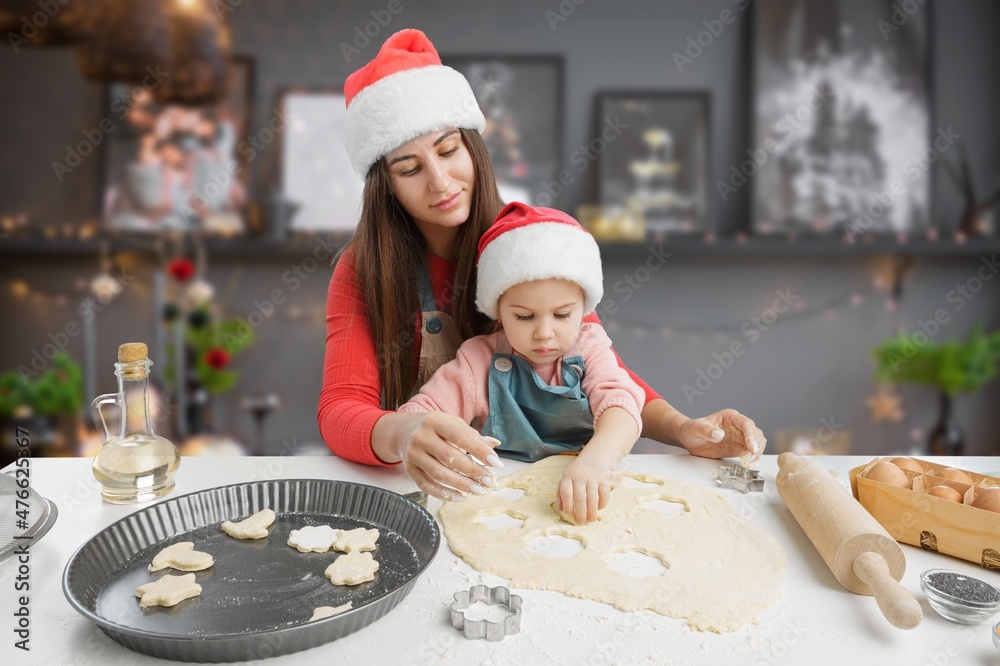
724, 434
584, 489
433, 452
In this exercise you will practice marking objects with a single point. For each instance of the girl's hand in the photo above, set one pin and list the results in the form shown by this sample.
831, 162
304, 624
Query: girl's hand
584, 488
433, 454
724, 434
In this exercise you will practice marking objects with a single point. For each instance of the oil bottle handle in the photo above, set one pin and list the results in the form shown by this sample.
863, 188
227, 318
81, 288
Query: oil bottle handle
99, 402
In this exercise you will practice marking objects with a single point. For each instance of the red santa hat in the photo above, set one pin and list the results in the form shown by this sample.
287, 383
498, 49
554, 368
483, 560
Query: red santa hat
401, 94
529, 243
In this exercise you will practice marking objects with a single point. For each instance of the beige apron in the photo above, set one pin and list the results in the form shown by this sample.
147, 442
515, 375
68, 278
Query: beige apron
439, 336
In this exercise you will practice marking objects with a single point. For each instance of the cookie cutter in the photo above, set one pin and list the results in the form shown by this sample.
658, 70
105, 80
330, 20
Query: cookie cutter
739, 478
493, 596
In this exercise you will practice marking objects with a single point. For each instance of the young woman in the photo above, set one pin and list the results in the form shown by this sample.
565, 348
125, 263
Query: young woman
402, 297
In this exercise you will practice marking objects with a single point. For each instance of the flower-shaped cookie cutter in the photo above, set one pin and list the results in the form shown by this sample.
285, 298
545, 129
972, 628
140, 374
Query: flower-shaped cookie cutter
490, 630
739, 478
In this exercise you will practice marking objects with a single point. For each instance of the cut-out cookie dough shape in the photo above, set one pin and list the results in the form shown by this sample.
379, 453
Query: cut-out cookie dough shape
329, 611
254, 527
183, 557
352, 569
723, 571
168, 591
361, 539
569, 517
313, 538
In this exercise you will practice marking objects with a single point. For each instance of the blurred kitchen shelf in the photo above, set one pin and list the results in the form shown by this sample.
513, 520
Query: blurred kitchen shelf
255, 249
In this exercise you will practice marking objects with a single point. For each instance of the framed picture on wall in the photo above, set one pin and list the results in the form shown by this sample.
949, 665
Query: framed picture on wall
652, 156
172, 167
842, 117
521, 97
316, 174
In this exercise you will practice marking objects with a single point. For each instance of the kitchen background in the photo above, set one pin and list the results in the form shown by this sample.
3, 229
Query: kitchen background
720, 248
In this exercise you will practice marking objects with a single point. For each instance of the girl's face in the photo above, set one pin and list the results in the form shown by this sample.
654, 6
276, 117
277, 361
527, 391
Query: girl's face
432, 177
542, 318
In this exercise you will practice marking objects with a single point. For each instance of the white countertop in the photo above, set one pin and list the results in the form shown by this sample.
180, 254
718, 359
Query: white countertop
816, 622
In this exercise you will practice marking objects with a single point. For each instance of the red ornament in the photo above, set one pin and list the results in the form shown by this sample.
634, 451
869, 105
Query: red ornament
217, 358
181, 269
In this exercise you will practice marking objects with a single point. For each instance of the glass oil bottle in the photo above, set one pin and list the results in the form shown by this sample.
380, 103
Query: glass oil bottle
136, 465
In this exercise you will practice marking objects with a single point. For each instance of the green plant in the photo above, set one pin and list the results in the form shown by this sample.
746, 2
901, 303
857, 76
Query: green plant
212, 345
952, 366
57, 390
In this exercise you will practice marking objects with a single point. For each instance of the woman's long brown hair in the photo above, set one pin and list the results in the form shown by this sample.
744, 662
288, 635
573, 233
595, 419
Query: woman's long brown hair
388, 251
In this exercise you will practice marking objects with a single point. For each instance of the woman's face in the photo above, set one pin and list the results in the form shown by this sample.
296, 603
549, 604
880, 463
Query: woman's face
432, 177
542, 318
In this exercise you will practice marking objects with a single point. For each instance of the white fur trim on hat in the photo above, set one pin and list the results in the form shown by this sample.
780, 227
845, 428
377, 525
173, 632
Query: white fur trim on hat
535, 252
403, 106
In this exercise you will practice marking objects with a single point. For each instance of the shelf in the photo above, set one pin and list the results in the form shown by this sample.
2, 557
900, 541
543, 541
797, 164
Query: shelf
260, 250
775, 247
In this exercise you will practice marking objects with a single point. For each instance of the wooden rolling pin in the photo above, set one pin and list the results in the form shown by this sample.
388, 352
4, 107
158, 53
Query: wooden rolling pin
859, 552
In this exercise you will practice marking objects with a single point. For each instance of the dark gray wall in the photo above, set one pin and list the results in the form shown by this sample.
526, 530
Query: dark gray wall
806, 368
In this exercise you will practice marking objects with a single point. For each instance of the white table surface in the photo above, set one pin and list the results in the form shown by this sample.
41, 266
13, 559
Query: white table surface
816, 622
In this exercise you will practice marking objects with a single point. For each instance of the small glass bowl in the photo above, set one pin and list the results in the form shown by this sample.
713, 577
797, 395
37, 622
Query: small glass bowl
996, 636
953, 608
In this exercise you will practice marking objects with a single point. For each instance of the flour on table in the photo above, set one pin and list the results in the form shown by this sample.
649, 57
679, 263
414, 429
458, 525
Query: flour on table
313, 539
360, 539
329, 611
254, 527
352, 569
183, 557
168, 591
718, 571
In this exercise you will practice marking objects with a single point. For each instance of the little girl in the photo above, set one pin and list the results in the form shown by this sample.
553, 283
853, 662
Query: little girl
545, 383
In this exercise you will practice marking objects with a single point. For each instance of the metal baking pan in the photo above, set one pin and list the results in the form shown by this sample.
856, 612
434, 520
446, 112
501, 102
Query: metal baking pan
257, 599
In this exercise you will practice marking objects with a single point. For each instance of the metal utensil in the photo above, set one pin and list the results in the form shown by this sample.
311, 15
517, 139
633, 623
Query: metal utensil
257, 599
17, 533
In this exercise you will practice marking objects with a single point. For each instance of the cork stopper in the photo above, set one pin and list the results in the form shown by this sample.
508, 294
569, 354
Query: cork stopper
132, 361
130, 352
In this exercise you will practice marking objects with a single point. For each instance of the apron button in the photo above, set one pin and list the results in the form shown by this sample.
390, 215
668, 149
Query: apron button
433, 325
502, 364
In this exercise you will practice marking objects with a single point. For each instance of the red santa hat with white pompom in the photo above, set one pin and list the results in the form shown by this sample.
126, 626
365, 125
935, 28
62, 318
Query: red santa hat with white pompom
401, 94
529, 243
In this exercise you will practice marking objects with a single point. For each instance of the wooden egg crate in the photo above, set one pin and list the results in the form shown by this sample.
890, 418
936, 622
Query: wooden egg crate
912, 516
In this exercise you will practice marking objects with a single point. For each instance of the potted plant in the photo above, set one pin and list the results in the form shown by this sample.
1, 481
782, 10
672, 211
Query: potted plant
952, 367
36, 403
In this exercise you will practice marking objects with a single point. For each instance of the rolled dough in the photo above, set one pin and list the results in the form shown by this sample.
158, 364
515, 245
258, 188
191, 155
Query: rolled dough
721, 571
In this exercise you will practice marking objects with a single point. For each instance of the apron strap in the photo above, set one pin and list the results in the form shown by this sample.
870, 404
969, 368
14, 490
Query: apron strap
503, 345
426, 290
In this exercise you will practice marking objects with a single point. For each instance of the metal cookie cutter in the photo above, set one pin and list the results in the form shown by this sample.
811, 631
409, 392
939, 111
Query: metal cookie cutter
739, 478
494, 596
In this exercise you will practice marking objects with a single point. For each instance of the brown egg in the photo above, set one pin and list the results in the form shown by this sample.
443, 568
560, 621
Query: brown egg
988, 499
946, 492
908, 463
886, 472
953, 474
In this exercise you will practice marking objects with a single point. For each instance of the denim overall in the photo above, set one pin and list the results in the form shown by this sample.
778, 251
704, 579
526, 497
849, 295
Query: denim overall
531, 419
